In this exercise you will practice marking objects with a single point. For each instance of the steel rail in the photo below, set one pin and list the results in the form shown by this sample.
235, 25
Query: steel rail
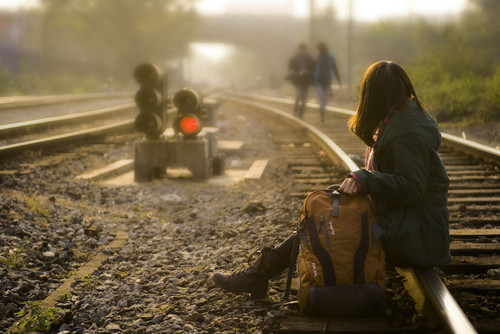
290, 102
70, 137
37, 100
77, 135
65, 138
475, 149
28, 101
37, 124
333, 151
449, 312
468, 146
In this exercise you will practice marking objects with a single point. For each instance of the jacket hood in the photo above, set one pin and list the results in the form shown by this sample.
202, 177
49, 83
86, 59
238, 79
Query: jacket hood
412, 120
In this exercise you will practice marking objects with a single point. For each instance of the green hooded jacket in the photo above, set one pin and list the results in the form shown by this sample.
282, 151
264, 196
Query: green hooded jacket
411, 184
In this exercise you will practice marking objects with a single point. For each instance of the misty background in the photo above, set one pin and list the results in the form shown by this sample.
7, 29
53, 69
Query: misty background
60, 47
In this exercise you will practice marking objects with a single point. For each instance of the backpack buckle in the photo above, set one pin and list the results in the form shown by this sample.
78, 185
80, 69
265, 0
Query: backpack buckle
335, 195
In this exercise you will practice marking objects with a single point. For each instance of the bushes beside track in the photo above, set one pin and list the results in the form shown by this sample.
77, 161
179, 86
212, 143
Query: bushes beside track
43, 84
470, 97
456, 84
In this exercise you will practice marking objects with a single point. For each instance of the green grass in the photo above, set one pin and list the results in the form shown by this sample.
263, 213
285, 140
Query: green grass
65, 297
32, 83
36, 206
13, 259
457, 88
37, 318
88, 282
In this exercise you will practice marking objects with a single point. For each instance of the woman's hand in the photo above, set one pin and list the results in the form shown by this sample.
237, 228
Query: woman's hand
349, 186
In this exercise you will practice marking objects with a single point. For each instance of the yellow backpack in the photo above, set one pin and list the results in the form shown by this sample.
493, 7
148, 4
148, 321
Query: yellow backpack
341, 264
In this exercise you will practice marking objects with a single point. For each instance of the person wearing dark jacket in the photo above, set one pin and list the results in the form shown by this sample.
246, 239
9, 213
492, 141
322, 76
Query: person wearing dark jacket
404, 178
325, 69
404, 175
300, 72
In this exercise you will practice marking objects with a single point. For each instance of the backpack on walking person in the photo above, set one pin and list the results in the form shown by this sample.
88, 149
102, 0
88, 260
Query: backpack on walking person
341, 264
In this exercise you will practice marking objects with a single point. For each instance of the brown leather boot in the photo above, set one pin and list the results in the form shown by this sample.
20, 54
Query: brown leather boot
254, 279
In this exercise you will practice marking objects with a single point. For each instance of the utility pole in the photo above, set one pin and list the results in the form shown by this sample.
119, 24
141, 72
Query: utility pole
349, 49
312, 23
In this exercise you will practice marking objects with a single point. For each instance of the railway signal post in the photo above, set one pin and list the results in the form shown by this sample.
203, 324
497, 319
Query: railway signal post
151, 99
189, 145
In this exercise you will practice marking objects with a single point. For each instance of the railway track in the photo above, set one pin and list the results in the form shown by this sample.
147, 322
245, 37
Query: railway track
184, 265
71, 118
29, 101
473, 204
68, 128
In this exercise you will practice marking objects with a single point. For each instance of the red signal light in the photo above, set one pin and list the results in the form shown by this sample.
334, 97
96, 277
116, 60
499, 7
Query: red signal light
189, 124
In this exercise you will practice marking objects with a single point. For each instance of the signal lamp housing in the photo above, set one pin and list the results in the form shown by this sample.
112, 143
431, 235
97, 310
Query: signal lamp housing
148, 123
190, 113
187, 101
148, 98
148, 74
151, 100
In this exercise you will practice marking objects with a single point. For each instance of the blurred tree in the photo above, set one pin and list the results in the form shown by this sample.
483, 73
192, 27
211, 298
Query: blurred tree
391, 40
480, 27
457, 75
455, 64
111, 37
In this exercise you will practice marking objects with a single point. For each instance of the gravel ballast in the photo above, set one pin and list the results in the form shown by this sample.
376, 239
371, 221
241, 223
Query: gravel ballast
179, 233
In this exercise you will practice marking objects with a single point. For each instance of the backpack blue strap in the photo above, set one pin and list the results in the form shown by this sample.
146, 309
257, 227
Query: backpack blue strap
322, 255
362, 251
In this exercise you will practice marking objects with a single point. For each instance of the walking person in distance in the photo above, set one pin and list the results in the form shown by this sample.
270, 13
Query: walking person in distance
325, 69
300, 71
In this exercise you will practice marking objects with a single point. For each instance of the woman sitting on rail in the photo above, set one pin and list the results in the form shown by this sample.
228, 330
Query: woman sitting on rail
404, 177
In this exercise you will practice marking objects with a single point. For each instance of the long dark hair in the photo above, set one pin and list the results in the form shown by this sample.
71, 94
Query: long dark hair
385, 85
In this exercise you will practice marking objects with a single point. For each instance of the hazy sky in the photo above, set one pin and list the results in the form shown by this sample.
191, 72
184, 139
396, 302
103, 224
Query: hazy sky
17, 3
367, 10
362, 9
204, 55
